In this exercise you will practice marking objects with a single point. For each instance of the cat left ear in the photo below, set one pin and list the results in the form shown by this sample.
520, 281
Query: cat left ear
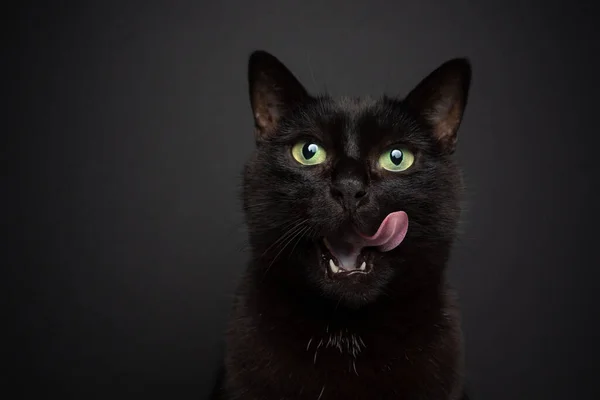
440, 99
274, 90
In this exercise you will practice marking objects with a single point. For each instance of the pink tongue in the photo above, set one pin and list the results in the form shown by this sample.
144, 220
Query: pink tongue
390, 234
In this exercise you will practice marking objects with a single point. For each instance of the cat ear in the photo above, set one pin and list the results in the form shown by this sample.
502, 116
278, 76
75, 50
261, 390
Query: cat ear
273, 91
440, 99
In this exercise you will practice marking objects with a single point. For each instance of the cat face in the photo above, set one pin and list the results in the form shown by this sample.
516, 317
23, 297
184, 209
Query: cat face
353, 198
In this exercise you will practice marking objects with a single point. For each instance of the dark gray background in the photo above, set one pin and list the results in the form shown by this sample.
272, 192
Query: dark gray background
130, 124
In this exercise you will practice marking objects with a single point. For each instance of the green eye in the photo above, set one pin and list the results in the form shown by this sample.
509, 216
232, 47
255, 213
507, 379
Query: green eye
307, 153
397, 160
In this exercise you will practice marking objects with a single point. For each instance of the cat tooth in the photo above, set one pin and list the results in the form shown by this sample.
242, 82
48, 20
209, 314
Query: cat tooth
363, 266
334, 268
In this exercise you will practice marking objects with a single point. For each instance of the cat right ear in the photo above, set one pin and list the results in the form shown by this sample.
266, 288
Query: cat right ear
274, 90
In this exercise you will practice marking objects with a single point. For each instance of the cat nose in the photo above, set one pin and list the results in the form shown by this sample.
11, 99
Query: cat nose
349, 183
350, 192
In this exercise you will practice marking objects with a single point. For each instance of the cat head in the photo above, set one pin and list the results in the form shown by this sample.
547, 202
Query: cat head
353, 198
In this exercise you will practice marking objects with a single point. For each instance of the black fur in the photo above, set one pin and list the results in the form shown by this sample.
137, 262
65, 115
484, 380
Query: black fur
294, 332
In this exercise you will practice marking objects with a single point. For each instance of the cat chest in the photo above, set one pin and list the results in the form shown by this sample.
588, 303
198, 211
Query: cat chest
344, 365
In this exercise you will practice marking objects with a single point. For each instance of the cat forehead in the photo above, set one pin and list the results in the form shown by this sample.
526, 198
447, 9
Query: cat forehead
354, 105
355, 109
356, 113
354, 122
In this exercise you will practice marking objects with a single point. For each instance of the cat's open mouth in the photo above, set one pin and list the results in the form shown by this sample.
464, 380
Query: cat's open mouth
360, 264
351, 253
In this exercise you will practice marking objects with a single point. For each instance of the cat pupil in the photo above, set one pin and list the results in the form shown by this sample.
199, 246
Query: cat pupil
396, 156
309, 150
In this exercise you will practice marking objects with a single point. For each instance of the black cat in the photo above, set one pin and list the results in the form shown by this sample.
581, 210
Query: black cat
352, 207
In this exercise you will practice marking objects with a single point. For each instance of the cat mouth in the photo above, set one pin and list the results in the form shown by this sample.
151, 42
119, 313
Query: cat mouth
350, 252
338, 267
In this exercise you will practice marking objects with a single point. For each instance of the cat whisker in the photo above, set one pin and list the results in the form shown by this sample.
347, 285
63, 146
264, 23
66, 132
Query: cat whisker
307, 229
297, 233
267, 202
286, 235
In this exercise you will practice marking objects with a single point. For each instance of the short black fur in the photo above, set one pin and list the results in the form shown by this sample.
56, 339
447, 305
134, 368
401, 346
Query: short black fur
296, 331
